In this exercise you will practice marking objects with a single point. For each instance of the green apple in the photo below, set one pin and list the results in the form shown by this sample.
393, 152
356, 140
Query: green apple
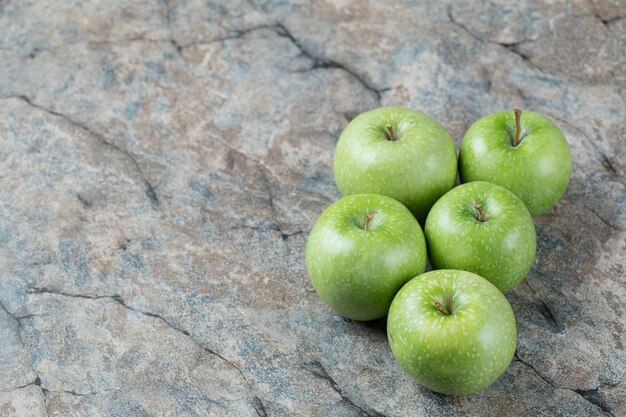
525, 153
361, 251
453, 331
485, 229
398, 152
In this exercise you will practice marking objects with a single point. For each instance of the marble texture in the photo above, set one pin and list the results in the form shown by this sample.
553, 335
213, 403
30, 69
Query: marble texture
161, 163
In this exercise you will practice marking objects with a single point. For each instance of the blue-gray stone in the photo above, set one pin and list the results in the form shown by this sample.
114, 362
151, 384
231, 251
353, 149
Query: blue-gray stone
161, 164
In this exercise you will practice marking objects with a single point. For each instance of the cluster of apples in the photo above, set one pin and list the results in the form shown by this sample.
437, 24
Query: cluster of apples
452, 329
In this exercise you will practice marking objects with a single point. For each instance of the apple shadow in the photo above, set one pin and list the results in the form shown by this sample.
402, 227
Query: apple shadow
375, 326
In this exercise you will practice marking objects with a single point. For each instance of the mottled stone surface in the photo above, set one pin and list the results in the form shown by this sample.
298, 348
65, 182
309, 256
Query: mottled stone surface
161, 163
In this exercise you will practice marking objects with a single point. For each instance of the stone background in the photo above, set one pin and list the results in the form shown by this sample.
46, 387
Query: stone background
161, 163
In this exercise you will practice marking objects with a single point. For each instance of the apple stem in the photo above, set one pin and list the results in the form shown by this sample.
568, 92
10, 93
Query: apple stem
482, 216
391, 134
369, 217
441, 307
518, 128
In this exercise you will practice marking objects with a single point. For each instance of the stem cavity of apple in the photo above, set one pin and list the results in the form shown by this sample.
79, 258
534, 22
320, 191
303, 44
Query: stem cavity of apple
482, 216
390, 133
518, 128
369, 217
444, 309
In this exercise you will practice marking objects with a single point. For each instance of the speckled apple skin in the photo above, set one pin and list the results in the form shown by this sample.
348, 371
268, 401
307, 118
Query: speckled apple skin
453, 354
416, 170
537, 170
357, 272
501, 249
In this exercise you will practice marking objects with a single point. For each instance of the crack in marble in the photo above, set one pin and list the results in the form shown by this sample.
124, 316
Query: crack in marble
167, 14
37, 382
273, 226
259, 407
255, 161
270, 198
44, 391
511, 47
602, 405
603, 220
120, 301
608, 164
324, 63
462, 26
84, 200
236, 34
600, 153
286, 236
594, 145
149, 188
258, 401
594, 397
45, 290
546, 311
317, 62
321, 372
609, 22
529, 365
264, 169
606, 22
47, 391
17, 319
577, 391
74, 393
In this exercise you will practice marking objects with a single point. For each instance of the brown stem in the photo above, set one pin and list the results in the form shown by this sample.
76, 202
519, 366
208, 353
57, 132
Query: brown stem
369, 217
391, 134
518, 128
441, 307
482, 216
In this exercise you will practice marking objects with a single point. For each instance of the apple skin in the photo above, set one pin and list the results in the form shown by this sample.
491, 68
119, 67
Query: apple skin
537, 170
357, 272
416, 169
501, 249
455, 354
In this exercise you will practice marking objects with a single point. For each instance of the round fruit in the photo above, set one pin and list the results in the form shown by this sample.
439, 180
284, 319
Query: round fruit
485, 229
453, 331
523, 152
398, 152
360, 252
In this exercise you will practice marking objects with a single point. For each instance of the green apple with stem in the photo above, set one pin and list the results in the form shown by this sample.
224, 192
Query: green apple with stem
360, 252
398, 152
485, 229
522, 151
453, 331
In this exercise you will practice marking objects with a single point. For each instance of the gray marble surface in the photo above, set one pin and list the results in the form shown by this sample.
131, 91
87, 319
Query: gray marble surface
161, 163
